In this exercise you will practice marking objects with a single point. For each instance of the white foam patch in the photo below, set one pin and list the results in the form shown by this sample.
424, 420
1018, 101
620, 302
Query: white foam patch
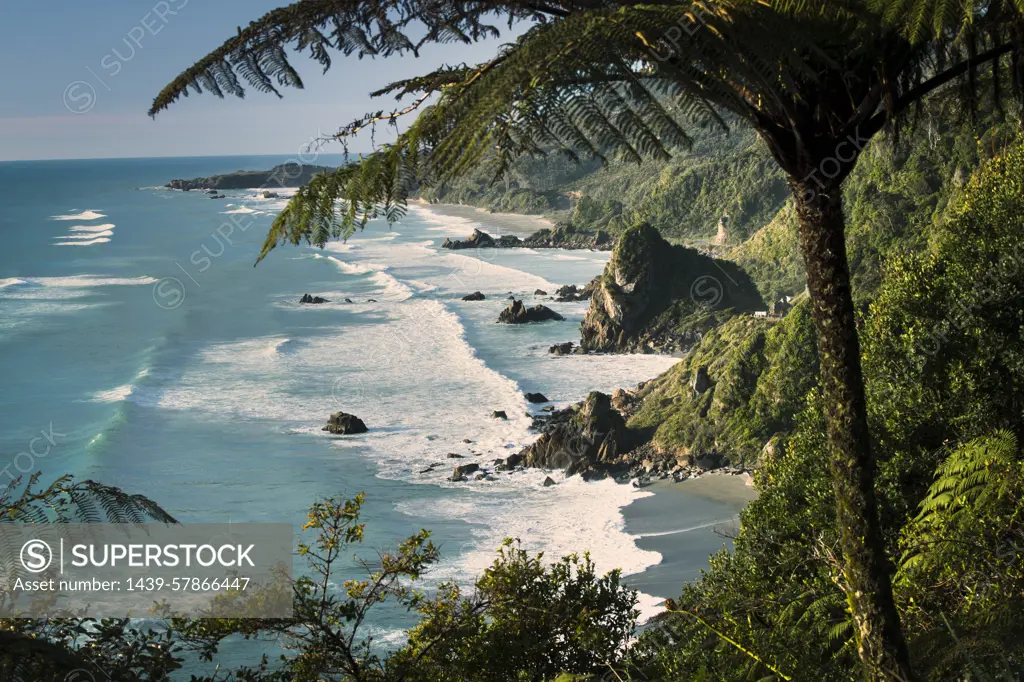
390, 288
114, 395
84, 215
88, 235
83, 281
241, 209
552, 520
10, 282
106, 227
101, 240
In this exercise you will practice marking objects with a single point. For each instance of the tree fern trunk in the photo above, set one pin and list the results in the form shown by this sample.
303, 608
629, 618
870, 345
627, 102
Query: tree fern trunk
866, 569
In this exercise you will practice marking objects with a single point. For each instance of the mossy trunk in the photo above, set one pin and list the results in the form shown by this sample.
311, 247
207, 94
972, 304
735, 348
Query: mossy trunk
866, 569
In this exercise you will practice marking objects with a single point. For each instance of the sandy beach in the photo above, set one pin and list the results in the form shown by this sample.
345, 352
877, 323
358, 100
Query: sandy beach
685, 523
501, 223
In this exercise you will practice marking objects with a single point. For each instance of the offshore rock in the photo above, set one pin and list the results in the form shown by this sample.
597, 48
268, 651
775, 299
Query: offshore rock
344, 423
517, 313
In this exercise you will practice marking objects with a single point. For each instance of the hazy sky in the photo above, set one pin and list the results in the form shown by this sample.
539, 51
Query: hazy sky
80, 76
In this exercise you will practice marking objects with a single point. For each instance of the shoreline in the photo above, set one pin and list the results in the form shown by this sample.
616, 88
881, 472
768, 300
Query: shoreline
518, 224
685, 523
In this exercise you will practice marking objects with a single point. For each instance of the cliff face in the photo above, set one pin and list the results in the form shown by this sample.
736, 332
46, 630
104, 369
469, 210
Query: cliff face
654, 296
285, 175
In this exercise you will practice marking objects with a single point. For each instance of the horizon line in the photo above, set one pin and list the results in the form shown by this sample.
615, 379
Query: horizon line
171, 156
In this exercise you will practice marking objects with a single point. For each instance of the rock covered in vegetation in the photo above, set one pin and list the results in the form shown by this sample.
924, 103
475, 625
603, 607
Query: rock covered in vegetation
344, 423
654, 296
517, 313
566, 236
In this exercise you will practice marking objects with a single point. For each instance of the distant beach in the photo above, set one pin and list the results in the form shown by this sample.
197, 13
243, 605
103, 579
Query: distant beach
503, 223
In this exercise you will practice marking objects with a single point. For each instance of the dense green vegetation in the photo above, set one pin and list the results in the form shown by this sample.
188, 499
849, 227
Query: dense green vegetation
943, 364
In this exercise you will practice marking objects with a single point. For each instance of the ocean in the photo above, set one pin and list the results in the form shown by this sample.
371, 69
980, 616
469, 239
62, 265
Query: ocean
136, 332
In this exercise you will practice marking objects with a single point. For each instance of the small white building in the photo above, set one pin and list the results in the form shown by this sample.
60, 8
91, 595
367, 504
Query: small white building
761, 313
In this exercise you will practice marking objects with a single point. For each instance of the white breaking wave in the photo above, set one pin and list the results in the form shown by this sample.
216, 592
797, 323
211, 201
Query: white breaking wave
114, 395
11, 281
88, 235
92, 228
241, 209
391, 289
84, 281
84, 215
101, 240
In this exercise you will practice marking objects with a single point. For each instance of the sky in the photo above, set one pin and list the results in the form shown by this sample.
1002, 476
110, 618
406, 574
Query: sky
80, 77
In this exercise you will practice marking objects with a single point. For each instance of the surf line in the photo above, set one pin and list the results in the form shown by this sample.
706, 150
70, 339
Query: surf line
709, 524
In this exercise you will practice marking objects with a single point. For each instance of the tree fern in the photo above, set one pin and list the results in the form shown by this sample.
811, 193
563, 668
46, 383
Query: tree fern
974, 477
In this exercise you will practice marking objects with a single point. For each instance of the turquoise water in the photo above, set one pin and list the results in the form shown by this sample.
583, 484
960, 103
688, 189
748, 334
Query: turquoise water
133, 322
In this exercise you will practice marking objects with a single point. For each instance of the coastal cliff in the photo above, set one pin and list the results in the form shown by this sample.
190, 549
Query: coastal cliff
658, 297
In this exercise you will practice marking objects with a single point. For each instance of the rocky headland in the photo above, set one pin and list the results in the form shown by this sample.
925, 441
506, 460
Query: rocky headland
658, 297
285, 175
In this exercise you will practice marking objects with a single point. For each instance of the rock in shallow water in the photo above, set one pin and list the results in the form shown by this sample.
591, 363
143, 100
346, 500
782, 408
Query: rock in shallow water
475, 296
460, 472
344, 423
517, 313
536, 398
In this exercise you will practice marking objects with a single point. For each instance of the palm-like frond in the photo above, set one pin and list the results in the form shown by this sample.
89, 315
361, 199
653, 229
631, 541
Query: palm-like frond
364, 28
973, 477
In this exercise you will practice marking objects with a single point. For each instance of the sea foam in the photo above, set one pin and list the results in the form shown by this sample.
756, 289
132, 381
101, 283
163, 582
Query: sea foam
83, 215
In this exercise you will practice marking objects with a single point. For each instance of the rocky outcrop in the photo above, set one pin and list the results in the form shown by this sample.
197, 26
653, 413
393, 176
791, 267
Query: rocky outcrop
499, 414
560, 237
586, 439
306, 298
562, 348
478, 240
571, 292
517, 313
659, 297
536, 398
460, 472
475, 296
291, 174
701, 380
565, 236
344, 423
540, 292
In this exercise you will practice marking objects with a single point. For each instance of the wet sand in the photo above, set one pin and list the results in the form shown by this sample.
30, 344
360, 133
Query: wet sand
684, 522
